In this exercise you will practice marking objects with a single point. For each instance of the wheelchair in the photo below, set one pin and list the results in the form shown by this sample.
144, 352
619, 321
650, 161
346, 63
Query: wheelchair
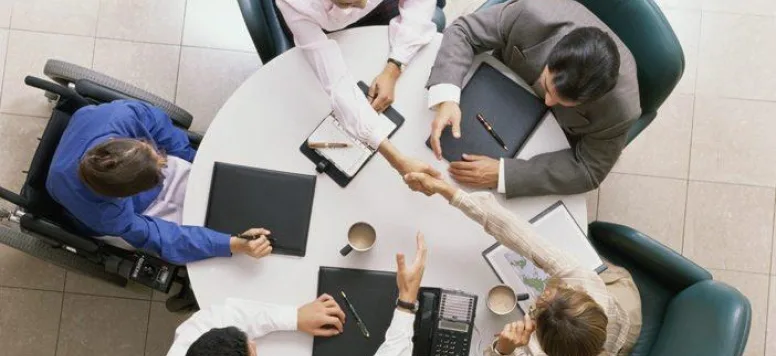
40, 227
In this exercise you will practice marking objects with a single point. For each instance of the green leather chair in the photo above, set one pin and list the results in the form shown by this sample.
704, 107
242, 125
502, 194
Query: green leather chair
685, 312
642, 27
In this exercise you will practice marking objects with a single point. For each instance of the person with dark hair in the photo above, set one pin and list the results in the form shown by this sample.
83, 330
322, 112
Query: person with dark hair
572, 60
579, 313
230, 329
120, 171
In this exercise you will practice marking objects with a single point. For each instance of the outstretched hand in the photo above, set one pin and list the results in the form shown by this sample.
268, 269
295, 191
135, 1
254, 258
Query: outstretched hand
408, 278
476, 171
429, 185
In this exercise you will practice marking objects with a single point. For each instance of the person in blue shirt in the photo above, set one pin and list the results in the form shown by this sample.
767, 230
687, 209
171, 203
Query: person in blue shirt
121, 170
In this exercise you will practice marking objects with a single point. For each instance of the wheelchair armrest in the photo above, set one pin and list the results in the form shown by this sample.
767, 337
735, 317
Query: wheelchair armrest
710, 318
101, 93
195, 138
662, 262
56, 233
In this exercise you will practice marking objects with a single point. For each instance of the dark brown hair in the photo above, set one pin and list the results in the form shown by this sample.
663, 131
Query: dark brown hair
569, 322
121, 168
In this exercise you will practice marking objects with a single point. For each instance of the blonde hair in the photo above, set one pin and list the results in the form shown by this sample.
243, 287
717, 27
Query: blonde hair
569, 322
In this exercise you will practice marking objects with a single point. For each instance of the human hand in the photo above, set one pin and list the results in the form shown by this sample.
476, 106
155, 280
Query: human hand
428, 185
476, 171
448, 114
408, 278
406, 165
515, 335
382, 89
257, 248
321, 317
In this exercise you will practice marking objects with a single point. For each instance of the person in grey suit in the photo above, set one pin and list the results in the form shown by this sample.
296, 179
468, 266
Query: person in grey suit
585, 74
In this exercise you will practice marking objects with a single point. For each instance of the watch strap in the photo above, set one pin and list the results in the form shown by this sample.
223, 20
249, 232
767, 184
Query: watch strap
413, 307
397, 63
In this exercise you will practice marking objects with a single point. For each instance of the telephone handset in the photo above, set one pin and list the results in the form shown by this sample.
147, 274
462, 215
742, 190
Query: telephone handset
444, 322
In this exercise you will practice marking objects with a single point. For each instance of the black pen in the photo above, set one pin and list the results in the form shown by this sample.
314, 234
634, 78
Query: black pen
359, 322
253, 237
485, 123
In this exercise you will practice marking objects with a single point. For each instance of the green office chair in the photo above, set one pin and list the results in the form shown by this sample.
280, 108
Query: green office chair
684, 311
642, 27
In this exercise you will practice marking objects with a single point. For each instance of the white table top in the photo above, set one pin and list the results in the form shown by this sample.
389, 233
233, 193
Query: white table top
263, 124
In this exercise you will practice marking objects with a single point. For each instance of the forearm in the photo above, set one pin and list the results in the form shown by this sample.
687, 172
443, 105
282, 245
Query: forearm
412, 29
392, 155
176, 243
398, 338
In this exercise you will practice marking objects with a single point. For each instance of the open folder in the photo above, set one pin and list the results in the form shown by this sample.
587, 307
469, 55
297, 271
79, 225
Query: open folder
510, 109
373, 296
245, 197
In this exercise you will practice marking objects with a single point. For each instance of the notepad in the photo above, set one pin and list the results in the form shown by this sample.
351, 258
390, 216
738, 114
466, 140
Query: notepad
557, 226
348, 160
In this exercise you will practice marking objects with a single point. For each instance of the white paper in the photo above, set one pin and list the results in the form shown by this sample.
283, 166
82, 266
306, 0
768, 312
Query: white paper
350, 159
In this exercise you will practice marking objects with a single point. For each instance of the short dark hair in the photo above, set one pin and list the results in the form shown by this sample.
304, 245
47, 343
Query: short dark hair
121, 167
229, 341
585, 64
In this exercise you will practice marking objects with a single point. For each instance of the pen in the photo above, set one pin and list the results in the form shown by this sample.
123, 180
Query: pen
360, 322
251, 238
492, 133
327, 145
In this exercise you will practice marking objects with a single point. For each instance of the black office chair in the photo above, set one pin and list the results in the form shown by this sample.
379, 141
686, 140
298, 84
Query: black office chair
45, 230
270, 34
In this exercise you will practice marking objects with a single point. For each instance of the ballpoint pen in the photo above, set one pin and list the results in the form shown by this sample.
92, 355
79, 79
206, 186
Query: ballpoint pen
252, 237
485, 123
327, 145
359, 322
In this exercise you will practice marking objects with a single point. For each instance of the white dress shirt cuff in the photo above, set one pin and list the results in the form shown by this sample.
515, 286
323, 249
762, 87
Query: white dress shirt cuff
502, 185
443, 92
287, 318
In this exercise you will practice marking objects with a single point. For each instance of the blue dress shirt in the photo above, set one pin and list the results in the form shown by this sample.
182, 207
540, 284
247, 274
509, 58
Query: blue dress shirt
106, 216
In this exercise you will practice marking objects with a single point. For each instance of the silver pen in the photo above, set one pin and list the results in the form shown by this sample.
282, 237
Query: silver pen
359, 322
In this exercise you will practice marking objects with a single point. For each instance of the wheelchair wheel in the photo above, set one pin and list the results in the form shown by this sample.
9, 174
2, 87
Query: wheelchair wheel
64, 72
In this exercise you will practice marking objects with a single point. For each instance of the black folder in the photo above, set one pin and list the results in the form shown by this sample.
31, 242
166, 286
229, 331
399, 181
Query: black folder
512, 111
244, 197
373, 295
322, 165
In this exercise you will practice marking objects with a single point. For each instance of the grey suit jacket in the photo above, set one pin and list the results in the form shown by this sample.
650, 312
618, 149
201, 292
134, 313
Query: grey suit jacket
522, 33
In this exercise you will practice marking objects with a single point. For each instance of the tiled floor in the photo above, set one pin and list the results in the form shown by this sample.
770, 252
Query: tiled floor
701, 179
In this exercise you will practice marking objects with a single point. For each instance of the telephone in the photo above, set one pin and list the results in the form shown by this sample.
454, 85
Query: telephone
444, 322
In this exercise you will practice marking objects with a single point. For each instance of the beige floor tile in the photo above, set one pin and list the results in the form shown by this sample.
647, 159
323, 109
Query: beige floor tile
29, 321
19, 140
27, 54
142, 20
78, 283
687, 26
216, 24
733, 141
770, 332
592, 205
152, 67
680, 4
70, 17
663, 148
208, 78
729, 227
6, 7
736, 56
102, 326
754, 287
654, 206
18, 269
753, 7
161, 329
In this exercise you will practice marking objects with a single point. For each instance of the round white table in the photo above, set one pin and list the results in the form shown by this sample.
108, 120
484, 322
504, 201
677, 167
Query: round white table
263, 124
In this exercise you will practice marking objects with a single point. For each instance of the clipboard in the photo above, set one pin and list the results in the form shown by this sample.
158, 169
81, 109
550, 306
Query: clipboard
323, 165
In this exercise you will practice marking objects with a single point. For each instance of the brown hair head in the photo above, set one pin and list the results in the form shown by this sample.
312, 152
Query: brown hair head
569, 322
121, 168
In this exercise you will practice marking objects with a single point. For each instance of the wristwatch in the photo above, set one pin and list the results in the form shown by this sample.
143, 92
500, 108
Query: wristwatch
413, 307
495, 351
397, 63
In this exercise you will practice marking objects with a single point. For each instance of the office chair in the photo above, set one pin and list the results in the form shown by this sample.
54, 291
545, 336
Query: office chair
45, 229
645, 31
684, 311
271, 36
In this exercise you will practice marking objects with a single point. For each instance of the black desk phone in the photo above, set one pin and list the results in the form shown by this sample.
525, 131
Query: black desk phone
444, 322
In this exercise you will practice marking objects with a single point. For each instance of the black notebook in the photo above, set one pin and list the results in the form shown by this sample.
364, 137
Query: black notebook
373, 295
343, 164
512, 111
245, 197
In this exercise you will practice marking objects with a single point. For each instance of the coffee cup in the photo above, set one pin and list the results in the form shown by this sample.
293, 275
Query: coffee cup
361, 238
502, 299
